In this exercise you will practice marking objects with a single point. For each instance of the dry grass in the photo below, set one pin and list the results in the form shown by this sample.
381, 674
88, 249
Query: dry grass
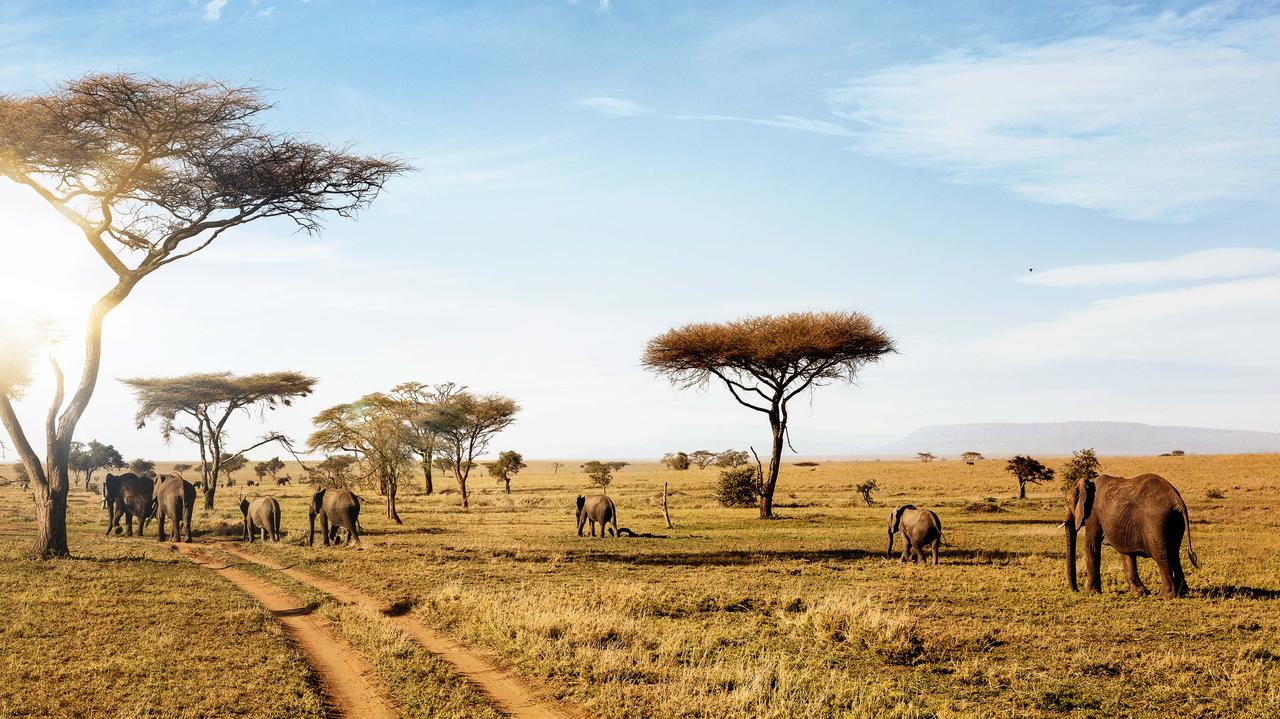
803, 616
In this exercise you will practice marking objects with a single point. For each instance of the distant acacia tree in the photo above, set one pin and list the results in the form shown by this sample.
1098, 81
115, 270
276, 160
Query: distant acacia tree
178, 469
925, 457
415, 403
766, 361
466, 423
373, 430
86, 459
1083, 464
142, 467
260, 471
866, 489
334, 472
152, 172
601, 473
197, 407
232, 463
507, 465
1028, 471
702, 458
555, 467
676, 461
731, 458
972, 457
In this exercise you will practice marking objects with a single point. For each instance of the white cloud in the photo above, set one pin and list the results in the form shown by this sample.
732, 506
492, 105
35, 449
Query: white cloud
213, 9
1226, 324
1218, 264
787, 122
614, 106
1153, 122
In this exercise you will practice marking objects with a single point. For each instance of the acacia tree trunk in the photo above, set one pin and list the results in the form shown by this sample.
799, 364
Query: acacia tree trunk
462, 486
775, 464
210, 490
508, 481
1022, 489
666, 513
392, 514
428, 486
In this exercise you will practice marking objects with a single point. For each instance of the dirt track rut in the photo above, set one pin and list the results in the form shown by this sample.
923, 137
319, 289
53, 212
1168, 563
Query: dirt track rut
511, 695
350, 690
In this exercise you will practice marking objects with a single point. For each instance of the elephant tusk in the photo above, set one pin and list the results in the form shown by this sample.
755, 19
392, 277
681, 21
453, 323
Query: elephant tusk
1060, 526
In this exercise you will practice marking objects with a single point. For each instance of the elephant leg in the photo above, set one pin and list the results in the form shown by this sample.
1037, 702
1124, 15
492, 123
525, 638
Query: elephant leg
1093, 560
324, 527
1171, 577
1131, 573
128, 523
160, 526
906, 548
936, 542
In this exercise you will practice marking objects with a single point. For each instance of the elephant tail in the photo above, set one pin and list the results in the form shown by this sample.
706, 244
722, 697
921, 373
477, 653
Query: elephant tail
1186, 520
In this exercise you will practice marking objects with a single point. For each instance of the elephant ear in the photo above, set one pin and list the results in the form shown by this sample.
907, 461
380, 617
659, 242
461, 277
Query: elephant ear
1082, 498
895, 519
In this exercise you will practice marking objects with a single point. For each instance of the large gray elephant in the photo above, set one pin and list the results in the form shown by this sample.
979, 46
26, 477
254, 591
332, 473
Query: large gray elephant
920, 528
129, 496
597, 509
175, 498
260, 515
1143, 516
337, 508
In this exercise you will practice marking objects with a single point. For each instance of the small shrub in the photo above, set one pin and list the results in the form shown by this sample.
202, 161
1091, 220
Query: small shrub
806, 464
1082, 465
987, 507
739, 487
1214, 494
866, 489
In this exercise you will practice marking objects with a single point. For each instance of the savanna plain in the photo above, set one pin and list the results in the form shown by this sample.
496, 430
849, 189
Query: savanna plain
723, 615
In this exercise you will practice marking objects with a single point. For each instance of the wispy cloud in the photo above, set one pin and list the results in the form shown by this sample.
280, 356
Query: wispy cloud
213, 9
1225, 324
1219, 264
1158, 121
786, 122
614, 106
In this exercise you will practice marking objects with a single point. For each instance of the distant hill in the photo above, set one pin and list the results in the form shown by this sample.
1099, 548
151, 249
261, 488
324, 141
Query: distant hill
1060, 438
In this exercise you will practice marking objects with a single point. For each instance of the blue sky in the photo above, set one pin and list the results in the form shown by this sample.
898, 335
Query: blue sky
591, 173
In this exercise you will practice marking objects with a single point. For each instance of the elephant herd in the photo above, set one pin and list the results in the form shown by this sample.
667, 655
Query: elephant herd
1141, 516
170, 497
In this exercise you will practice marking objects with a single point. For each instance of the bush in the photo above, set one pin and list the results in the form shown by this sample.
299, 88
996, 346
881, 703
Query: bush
806, 464
1214, 494
1082, 465
676, 461
739, 487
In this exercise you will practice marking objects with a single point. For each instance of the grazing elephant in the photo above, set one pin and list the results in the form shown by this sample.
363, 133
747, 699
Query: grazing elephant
921, 529
1139, 517
282, 481
336, 508
597, 509
175, 498
262, 514
127, 495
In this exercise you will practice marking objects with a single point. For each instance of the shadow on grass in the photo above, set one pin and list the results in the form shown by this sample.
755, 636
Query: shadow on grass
310, 608
1232, 591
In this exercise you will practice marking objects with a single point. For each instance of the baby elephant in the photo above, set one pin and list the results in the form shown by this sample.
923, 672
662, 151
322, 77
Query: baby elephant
921, 528
597, 509
262, 514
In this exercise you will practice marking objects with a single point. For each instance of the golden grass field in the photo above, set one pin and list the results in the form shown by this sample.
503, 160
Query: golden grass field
724, 616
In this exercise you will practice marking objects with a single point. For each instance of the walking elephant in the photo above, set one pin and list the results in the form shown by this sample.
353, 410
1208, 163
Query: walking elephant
337, 508
597, 509
260, 515
921, 529
129, 496
175, 498
1142, 516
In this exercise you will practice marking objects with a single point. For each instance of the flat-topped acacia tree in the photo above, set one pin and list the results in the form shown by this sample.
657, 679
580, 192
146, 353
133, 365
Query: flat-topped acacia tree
766, 361
199, 406
152, 171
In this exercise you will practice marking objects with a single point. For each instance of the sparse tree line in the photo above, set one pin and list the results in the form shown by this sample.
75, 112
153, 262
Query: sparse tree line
681, 461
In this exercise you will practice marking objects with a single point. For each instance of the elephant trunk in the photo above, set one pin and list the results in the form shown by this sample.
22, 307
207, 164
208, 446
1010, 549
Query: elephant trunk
1070, 528
889, 552
311, 534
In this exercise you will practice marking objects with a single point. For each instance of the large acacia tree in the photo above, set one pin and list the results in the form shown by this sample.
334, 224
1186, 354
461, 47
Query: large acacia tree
371, 429
152, 171
198, 407
766, 361
465, 424
416, 400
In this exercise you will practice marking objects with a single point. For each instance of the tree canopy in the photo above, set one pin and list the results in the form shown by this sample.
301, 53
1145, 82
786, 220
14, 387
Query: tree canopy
152, 171
198, 407
371, 429
508, 465
466, 423
1028, 471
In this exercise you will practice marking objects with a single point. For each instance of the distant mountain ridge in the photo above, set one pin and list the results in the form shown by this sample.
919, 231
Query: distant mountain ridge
1060, 438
